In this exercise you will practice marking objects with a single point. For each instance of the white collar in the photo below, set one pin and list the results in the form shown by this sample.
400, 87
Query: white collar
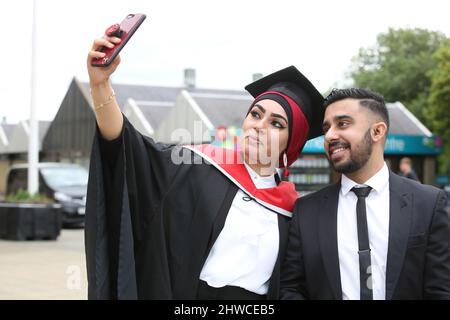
378, 181
260, 181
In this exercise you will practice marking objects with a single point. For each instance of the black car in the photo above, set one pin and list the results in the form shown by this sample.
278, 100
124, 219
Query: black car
66, 183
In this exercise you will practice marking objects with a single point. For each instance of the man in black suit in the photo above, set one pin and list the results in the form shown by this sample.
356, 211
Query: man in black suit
374, 234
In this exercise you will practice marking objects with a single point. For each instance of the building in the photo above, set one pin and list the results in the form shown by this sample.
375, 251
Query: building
191, 115
167, 114
14, 145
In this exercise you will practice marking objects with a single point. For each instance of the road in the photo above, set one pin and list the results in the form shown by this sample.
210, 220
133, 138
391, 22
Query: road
44, 270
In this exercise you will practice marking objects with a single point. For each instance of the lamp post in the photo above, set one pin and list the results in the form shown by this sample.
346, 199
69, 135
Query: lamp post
33, 134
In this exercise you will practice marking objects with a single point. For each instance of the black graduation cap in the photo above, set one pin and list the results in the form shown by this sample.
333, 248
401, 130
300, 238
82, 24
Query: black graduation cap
291, 82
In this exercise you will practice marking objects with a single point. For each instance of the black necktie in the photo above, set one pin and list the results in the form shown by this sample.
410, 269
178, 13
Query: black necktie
363, 244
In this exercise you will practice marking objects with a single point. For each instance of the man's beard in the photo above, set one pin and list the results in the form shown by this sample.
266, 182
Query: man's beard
358, 157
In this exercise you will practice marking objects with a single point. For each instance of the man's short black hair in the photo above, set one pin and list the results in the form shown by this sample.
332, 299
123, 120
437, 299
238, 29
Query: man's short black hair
367, 98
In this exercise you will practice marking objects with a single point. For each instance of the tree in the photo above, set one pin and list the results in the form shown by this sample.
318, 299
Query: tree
439, 103
398, 66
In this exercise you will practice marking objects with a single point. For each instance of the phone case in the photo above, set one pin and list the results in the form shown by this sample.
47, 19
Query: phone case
124, 31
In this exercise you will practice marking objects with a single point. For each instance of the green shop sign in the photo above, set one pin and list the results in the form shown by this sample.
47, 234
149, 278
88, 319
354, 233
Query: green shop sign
395, 144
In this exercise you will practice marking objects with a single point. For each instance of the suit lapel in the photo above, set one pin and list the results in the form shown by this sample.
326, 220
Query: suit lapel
400, 211
328, 238
283, 228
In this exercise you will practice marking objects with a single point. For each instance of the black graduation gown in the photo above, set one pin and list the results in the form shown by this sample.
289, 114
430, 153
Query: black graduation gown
151, 223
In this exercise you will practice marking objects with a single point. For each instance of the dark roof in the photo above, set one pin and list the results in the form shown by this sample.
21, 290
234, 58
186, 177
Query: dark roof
139, 93
195, 91
8, 129
403, 122
223, 111
73, 127
156, 93
154, 113
225, 107
145, 93
43, 127
222, 107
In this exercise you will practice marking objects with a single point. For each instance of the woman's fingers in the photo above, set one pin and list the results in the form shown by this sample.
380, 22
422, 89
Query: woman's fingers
112, 39
105, 41
108, 42
100, 75
98, 43
96, 54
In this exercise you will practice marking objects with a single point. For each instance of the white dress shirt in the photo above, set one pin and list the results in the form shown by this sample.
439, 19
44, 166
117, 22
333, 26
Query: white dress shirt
246, 249
377, 208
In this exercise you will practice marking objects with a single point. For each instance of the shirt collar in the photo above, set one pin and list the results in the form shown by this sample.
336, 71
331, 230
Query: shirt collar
378, 181
260, 181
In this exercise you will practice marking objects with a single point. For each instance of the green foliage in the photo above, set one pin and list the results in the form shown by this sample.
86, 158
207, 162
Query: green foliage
398, 67
439, 103
411, 66
23, 196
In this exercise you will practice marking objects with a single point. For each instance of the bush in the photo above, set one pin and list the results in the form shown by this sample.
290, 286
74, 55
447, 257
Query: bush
23, 196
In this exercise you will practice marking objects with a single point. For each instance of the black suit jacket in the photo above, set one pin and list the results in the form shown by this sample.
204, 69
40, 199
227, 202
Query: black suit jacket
418, 262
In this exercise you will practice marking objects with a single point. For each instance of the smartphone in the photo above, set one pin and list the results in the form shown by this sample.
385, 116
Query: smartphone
124, 31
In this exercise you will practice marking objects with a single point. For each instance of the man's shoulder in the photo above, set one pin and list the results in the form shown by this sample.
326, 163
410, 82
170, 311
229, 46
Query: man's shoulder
319, 194
415, 187
309, 205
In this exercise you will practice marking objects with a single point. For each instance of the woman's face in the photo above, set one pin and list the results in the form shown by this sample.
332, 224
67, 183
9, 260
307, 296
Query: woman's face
265, 133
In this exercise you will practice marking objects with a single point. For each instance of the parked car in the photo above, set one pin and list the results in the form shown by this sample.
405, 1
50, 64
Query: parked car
65, 183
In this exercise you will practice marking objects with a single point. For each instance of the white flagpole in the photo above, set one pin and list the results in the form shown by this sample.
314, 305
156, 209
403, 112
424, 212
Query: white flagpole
33, 134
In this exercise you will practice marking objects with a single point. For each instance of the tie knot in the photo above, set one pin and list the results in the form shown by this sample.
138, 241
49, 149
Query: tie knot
362, 192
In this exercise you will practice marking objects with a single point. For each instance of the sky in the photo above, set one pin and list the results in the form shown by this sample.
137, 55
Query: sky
224, 41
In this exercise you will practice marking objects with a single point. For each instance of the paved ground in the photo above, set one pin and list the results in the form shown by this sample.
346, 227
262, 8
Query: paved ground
53, 270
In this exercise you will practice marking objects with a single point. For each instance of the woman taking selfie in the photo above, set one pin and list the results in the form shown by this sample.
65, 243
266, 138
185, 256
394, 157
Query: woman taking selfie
211, 226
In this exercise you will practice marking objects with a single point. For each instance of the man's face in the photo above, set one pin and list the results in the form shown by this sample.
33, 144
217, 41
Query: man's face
348, 141
405, 167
